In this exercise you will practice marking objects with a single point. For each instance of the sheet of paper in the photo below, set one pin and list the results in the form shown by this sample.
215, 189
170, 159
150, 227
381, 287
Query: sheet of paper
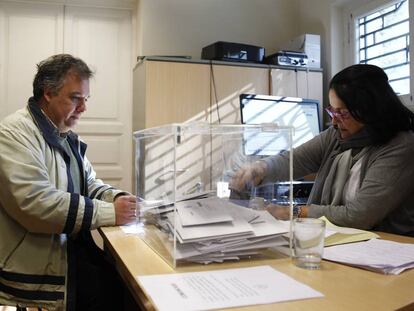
223, 289
381, 255
202, 211
239, 226
266, 224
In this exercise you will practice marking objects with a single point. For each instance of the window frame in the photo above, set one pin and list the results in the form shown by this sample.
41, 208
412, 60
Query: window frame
359, 9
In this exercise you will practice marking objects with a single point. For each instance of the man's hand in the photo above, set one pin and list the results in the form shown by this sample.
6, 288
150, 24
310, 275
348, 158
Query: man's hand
125, 209
250, 175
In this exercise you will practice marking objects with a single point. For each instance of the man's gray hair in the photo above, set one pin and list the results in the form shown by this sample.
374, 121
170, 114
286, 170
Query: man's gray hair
52, 71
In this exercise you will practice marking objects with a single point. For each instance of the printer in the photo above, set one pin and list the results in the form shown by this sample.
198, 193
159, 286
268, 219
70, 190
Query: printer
230, 51
310, 44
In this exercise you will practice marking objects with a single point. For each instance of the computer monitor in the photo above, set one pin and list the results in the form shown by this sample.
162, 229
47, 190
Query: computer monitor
301, 113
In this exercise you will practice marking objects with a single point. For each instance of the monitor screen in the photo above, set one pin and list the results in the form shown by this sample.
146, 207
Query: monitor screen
302, 114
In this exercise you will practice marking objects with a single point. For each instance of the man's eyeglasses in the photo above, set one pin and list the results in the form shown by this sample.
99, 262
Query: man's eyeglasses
340, 114
77, 99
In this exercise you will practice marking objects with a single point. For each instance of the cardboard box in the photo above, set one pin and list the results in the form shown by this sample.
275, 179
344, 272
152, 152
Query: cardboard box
310, 44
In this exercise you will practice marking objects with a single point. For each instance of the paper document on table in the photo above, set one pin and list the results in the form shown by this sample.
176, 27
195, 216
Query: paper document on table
223, 289
341, 235
202, 211
383, 256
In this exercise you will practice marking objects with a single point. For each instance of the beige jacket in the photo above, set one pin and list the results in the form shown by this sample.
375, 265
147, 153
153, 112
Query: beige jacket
39, 211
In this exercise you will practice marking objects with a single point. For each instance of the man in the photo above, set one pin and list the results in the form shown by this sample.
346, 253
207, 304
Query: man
50, 199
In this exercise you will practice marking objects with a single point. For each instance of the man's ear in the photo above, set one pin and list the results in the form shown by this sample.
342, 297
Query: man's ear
47, 94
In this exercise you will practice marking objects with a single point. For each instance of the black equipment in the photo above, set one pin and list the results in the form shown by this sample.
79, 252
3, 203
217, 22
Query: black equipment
229, 51
287, 58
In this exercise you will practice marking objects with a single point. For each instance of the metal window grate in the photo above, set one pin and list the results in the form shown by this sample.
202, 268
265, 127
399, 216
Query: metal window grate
384, 41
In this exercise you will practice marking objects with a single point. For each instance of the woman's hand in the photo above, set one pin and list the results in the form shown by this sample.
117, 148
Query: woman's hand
250, 175
282, 212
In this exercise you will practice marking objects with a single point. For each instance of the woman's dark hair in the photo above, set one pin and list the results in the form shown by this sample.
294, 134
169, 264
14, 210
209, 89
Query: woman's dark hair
52, 71
370, 99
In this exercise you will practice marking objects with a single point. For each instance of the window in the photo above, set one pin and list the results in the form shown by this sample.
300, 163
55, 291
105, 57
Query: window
381, 36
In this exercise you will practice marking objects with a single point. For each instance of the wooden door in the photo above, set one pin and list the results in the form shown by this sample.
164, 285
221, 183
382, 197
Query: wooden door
102, 38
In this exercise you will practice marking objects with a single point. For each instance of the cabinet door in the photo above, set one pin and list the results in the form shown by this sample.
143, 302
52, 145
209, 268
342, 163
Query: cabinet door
298, 83
175, 92
310, 86
28, 34
164, 93
284, 82
228, 82
102, 38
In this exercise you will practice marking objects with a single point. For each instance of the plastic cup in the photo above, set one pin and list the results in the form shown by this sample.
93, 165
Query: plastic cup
308, 242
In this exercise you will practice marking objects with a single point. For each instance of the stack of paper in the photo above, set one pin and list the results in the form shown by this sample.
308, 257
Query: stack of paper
383, 256
214, 230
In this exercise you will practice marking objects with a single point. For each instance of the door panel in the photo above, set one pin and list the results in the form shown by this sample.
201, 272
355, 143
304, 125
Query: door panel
102, 38
29, 33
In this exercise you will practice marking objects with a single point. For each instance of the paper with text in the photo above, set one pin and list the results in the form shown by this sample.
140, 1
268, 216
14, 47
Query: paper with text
378, 255
223, 289
203, 211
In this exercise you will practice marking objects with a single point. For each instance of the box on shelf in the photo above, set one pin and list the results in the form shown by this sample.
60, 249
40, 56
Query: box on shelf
188, 212
310, 44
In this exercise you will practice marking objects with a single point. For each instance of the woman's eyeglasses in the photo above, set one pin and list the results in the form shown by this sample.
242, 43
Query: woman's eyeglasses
340, 114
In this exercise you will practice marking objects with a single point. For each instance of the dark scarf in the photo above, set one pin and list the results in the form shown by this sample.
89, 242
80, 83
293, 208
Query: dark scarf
357, 143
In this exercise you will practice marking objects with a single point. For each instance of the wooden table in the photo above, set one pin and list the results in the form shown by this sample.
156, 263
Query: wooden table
344, 287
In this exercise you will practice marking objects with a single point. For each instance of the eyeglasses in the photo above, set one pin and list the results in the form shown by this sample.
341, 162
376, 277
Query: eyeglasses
340, 114
77, 100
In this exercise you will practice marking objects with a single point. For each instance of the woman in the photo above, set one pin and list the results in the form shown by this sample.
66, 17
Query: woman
364, 161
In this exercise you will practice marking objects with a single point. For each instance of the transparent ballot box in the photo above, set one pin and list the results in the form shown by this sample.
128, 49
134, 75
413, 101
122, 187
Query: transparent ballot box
207, 194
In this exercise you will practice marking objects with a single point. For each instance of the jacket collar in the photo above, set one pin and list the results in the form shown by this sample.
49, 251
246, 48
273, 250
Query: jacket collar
49, 131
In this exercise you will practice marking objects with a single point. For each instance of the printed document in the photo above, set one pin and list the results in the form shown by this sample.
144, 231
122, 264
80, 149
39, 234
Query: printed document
203, 211
223, 289
383, 256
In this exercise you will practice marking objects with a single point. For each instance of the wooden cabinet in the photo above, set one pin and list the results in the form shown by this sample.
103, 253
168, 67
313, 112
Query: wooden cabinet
298, 83
168, 90
228, 82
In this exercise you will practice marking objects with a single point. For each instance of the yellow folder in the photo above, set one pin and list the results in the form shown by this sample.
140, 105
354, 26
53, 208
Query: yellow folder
346, 235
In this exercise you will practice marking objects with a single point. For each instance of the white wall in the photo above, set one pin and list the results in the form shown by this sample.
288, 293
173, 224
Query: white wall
315, 17
184, 27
